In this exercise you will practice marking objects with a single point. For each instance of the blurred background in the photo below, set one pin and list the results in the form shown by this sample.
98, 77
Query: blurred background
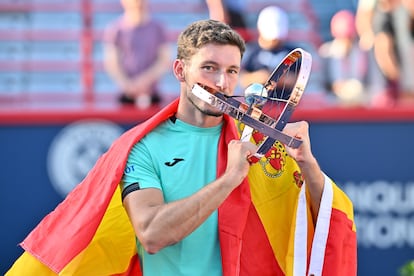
59, 109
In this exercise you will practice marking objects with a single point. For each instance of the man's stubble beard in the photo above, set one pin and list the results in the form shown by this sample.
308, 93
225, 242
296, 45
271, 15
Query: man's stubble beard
207, 112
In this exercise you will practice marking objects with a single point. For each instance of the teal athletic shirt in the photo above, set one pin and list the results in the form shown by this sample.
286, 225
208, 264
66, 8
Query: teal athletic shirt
174, 159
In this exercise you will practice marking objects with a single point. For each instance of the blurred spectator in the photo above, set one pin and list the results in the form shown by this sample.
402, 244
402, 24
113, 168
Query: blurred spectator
231, 12
217, 10
262, 56
368, 18
364, 22
394, 51
136, 54
349, 72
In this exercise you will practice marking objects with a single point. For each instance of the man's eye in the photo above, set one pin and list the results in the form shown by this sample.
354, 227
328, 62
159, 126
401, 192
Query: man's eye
208, 68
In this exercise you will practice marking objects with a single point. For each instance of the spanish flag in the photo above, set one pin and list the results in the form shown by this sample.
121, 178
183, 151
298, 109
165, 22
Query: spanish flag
265, 226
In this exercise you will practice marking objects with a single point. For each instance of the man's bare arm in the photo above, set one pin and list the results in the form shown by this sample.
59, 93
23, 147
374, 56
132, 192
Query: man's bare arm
158, 224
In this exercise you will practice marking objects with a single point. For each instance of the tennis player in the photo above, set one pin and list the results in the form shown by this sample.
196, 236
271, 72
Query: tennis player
195, 204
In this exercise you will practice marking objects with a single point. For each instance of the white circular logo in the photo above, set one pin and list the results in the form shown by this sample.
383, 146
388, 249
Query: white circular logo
75, 149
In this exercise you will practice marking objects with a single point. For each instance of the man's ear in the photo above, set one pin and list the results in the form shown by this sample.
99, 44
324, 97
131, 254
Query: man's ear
178, 68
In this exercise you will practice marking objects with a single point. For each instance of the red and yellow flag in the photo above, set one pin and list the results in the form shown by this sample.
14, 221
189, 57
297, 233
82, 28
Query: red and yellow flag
89, 233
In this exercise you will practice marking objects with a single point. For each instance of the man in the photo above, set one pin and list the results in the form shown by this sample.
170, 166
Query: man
136, 64
197, 206
271, 46
350, 73
394, 51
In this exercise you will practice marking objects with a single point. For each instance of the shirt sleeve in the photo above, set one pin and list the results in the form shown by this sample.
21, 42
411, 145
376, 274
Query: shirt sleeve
162, 33
139, 169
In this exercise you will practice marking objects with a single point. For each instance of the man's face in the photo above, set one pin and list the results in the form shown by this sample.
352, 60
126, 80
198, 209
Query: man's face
217, 66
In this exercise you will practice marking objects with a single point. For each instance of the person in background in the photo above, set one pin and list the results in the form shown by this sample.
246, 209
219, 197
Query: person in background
394, 51
231, 12
191, 197
263, 55
349, 72
368, 18
136, 54
364, 22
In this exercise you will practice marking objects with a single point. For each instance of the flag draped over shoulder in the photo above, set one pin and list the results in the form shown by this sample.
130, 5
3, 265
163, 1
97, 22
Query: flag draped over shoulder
63, 237
260, 233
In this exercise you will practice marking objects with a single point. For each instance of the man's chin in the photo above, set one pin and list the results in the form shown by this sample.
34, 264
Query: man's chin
217, 114
206, 108
212, 112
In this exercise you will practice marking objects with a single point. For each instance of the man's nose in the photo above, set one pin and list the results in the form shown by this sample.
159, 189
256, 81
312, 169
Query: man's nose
221, 81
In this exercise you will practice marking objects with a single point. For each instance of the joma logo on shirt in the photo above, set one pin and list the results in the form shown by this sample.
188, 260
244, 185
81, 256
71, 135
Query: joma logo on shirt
175, 161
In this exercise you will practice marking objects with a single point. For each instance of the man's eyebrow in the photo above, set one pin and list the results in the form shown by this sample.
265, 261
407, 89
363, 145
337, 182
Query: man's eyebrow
211, 62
